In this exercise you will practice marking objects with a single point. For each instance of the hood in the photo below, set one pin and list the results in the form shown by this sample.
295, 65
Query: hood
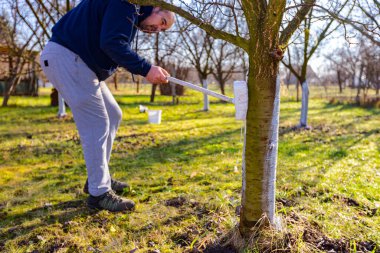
145, 12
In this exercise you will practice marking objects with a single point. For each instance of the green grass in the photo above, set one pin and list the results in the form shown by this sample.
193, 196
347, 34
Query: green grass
328, 177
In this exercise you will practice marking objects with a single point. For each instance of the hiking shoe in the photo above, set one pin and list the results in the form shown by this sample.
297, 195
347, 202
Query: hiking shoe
111, 202
116, 186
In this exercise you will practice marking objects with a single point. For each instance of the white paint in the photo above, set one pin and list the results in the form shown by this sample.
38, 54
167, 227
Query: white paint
61, 107
305, 104
269, 176
243, 168
206, 102
240, 100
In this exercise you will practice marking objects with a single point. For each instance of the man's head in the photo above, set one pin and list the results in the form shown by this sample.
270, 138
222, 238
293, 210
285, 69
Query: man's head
159, 20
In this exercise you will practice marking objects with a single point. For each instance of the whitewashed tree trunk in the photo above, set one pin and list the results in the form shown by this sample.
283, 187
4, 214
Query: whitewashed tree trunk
254, 205
305, 104
61, 107
206, 103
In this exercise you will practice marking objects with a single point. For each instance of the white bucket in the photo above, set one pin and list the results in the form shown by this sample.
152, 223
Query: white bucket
154, 116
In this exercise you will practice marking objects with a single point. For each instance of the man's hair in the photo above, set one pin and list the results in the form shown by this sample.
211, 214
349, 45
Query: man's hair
163, 10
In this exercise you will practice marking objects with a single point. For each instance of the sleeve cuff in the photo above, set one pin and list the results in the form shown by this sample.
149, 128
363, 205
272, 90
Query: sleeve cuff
145, 69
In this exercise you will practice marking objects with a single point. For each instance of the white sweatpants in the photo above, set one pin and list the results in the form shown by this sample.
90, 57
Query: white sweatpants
95, 111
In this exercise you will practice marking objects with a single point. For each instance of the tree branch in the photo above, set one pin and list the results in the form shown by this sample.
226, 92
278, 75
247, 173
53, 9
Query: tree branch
295, 22
216, 33
352, 23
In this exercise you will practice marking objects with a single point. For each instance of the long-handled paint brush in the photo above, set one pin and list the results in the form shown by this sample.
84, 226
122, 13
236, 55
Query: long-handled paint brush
240, 99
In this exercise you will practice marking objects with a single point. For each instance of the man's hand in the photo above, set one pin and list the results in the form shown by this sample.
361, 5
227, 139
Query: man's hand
157, 75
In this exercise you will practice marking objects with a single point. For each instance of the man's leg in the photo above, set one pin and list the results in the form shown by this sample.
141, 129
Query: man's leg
80, 87
114, 114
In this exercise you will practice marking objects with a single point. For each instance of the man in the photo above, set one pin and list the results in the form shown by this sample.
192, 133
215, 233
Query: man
87, 46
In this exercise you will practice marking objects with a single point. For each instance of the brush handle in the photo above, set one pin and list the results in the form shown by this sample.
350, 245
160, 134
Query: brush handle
203, 90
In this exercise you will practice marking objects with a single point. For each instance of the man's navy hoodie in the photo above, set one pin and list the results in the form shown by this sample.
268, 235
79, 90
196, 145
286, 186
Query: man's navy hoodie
101, 33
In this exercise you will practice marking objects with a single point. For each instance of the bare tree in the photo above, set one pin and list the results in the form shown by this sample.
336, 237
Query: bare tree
20, 46
358, 67
265, 48
158, 48
197, 47
309, 45
339, 64
365, 18
225, 59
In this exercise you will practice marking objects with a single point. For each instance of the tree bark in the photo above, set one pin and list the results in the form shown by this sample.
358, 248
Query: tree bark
222, 87
340, 82
115, 81
157, 62
260, 150
153, 93
12, 86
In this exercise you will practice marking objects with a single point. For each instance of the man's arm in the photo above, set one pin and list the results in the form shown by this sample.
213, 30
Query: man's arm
117, 26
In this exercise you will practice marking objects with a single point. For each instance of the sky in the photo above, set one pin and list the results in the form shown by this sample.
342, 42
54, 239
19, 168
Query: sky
318, 61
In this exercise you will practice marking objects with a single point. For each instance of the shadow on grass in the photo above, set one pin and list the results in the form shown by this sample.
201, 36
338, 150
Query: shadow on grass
49, 214
342, 107
183, 150
64, 212
337, 149
147, 103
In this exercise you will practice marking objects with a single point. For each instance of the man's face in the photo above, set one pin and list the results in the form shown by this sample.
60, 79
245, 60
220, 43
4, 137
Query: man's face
158, 21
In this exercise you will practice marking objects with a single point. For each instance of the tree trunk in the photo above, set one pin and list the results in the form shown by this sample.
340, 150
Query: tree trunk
206, 102
340, 83
7, 94
153, 94
61, 107
157, 61
138, 85
115, 81
222, 89
360, 83
305, 104
54, 97
174, 95
260, 150
34, 82
298, 91
357, 99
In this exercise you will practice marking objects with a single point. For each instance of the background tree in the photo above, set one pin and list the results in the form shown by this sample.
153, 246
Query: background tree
356, 67
309, 41
197, 47
341, 71
224, 58
158, 48
20, 47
